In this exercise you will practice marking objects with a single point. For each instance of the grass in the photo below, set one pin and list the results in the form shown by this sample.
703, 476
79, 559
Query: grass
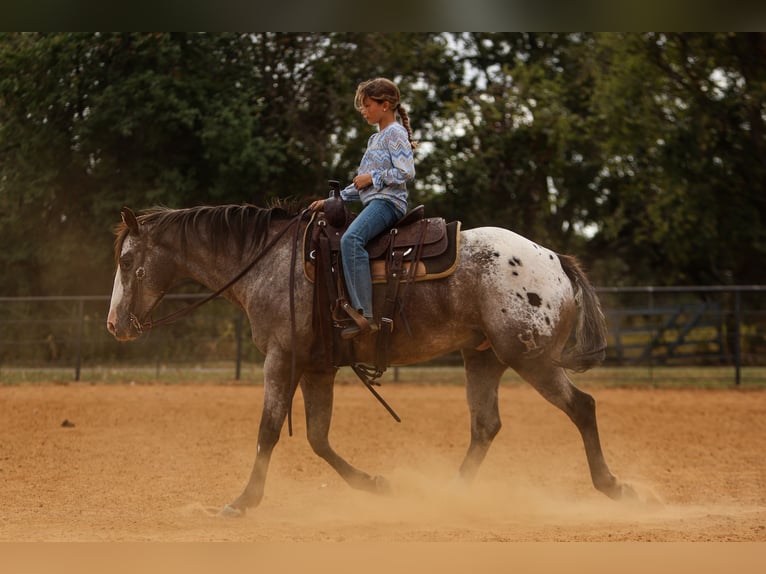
609, 377
163, 374
704, 377
252, 373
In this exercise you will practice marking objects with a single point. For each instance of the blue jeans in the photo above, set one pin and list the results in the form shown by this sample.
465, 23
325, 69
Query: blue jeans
376, 217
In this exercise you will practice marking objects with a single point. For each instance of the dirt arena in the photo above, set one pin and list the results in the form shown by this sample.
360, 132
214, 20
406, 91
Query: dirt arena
153, 462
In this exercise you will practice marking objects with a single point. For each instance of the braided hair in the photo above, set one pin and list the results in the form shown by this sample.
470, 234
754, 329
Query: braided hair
384, 90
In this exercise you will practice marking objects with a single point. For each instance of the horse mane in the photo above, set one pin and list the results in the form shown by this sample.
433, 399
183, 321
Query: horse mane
248, 224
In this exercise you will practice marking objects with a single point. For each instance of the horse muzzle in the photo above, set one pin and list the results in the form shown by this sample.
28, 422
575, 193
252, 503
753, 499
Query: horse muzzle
123, 330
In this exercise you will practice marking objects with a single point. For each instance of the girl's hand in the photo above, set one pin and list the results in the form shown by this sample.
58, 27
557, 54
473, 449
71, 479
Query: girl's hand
363, 180
317, 205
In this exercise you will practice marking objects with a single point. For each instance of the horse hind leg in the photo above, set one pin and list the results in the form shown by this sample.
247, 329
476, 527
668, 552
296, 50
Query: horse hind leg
483, 373
554, 385
318, 391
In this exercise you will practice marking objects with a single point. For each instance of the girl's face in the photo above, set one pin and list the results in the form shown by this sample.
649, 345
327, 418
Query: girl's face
373, 111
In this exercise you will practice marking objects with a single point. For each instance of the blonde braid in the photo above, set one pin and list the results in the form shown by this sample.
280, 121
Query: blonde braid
405, 117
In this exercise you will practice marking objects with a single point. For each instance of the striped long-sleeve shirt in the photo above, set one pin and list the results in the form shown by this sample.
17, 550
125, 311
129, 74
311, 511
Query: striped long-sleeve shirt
390, 162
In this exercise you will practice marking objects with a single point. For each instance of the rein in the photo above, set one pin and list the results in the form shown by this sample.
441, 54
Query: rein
142, 324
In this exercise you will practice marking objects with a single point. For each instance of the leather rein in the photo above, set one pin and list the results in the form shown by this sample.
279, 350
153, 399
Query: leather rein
144, 323
140, 325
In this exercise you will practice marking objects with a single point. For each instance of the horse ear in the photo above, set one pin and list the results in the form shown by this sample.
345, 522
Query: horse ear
129, 219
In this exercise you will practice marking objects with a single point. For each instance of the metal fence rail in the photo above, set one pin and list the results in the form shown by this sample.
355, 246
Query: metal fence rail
652, 326
708, 325
71, 331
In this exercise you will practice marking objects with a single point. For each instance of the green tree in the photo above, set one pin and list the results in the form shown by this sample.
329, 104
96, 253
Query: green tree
682, 188
642, 153
522, 155
89, 122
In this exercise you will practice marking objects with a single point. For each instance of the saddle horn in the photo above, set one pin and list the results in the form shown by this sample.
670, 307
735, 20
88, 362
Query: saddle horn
334, 210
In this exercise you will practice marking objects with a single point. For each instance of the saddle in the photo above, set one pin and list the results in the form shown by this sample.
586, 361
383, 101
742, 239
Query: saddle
427, 245
415, 249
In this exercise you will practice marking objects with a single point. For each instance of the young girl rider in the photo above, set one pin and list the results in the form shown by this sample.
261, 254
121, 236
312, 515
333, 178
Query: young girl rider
380, 184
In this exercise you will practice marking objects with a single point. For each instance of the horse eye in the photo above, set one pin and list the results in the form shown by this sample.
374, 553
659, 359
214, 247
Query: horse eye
126, 262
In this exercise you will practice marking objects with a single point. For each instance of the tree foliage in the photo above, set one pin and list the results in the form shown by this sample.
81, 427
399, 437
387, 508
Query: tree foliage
642, 153
684, 152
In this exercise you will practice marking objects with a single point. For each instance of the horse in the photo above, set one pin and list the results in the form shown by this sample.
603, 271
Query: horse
510, 303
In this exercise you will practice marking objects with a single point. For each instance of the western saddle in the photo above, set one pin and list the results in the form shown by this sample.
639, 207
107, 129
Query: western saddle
415, 249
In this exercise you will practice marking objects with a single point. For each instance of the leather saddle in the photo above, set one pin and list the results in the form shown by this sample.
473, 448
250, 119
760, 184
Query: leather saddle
415, 249
427, 245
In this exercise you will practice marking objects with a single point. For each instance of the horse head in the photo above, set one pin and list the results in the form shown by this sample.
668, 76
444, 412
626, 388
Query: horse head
141, 279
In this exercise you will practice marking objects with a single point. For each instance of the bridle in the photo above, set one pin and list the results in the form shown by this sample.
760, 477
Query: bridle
144, 322
141, 324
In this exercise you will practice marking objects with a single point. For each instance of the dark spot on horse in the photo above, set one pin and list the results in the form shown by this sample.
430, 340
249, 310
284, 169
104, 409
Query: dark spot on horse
520, 296
548, 305
496, 254
547, 320
550, 255
503, 310
516, 273
513, 261
485, 257
534, 299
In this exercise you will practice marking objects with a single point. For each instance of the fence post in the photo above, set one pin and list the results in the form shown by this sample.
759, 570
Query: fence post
737, 333
651, 350
238, 331
80, 319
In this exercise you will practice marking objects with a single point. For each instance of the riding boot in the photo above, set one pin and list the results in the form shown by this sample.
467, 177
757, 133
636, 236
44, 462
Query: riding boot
361, 324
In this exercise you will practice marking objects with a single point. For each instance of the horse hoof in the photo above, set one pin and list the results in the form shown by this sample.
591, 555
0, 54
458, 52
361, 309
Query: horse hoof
229, 511
382, 486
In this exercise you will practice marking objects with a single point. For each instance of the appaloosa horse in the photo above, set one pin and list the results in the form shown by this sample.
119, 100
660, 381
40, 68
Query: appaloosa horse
509, 303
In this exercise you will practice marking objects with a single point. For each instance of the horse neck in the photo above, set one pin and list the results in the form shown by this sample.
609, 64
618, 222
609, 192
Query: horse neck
215, 265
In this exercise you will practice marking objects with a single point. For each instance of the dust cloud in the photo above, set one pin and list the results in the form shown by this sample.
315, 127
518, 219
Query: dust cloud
426, 504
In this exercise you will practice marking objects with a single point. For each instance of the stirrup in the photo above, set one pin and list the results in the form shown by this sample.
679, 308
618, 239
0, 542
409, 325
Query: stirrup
355, 330
357, 317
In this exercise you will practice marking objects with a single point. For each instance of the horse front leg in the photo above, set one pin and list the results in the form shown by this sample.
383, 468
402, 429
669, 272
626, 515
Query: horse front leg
318, 391
277, 398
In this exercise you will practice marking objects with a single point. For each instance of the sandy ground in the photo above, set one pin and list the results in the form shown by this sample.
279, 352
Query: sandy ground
153, 462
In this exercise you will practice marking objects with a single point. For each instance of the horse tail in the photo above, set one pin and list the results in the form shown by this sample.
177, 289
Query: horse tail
589, 347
